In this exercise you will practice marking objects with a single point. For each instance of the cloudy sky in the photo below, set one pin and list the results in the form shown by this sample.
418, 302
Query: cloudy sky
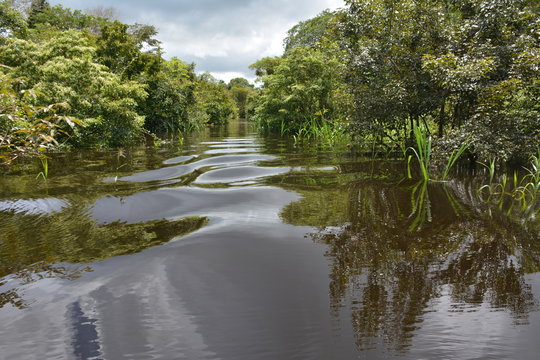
221, 36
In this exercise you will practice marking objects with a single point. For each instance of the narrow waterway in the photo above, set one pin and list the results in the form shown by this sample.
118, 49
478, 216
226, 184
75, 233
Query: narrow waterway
233, 245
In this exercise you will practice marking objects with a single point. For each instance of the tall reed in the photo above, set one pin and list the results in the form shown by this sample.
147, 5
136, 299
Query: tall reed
422, 152
454, 156
533, 176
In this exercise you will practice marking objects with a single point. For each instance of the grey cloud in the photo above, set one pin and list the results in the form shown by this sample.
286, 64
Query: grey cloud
218, 35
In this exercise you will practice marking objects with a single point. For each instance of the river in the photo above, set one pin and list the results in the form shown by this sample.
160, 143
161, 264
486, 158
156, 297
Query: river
234, 245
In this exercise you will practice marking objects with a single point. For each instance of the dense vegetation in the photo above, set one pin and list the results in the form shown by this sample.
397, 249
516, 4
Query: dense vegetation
461, 69
69, 78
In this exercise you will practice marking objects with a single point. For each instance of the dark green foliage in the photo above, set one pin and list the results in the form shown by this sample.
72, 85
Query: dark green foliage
466, 69
36, 9
144, 36
61, 18
304, 87
265, 66
170, 95
385, 43
119, 51
312, 32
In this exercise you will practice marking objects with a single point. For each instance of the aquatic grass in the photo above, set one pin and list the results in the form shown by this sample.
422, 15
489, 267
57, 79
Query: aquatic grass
282, 127
491, 168
533, 176
322, 131
422, 151
180, 138
525, 190
44, 173
454, 156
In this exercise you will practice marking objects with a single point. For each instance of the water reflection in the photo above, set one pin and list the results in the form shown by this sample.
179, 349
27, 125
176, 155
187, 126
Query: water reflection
397, 250
86, 344
406, 268
33, 246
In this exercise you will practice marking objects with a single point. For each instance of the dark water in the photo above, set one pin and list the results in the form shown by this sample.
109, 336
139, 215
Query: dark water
235, 246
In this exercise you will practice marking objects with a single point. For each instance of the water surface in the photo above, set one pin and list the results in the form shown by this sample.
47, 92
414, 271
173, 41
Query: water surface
239, 246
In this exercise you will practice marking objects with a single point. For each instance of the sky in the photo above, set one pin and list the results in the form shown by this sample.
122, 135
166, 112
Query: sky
222, 37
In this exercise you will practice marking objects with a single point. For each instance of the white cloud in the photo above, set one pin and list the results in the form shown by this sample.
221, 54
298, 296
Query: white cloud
220, 36
227, 76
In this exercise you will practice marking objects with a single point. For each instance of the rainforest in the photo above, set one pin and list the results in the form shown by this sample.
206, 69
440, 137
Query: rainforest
370, 192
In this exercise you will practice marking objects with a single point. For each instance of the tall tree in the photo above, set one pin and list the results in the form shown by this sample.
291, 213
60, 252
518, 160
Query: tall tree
36, 8
11, 20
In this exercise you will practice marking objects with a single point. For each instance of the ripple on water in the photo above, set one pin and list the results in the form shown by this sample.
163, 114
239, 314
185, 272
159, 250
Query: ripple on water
261, 203
179, 159
33, 206
232, 150
239, 174
172, 172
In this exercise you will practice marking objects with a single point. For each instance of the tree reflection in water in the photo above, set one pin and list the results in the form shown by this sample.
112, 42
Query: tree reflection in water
401, 248
38, 246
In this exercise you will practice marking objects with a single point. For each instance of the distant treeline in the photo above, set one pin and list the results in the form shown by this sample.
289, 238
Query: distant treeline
464, 69
73, 78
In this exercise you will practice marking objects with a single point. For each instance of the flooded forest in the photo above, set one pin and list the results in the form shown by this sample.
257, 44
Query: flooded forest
373, 193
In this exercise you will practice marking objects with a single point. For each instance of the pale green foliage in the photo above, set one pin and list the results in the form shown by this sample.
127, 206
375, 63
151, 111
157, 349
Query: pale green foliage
25, 129
63, 70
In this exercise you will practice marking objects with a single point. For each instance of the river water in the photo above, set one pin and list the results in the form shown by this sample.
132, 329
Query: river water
233, 245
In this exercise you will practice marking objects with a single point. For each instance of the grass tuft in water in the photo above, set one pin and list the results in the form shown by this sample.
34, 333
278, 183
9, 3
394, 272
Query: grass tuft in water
523, 191
44, 173
422, 152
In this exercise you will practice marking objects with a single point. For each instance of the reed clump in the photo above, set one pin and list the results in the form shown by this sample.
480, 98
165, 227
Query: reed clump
423, 154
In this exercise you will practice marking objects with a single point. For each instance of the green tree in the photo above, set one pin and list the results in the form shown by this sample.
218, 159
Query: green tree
489, 77
61, 18
63, 70
386, 42
11, 20
241, 90
213, 102
313, 32
305, 87
265, 66
170, 96
121, 52
36, 8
